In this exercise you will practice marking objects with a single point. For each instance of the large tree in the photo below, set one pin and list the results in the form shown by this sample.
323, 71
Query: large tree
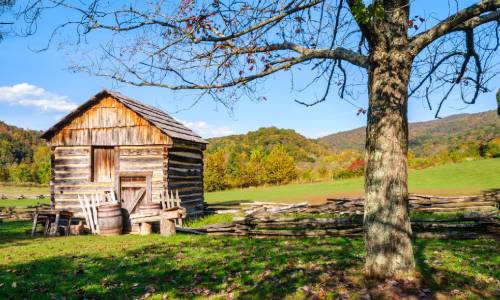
226, 48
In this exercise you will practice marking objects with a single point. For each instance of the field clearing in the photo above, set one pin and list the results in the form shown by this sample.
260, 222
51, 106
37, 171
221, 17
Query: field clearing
466, 178
12, 190
187, 267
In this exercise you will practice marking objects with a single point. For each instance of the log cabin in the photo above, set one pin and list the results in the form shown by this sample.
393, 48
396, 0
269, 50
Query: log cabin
115, 143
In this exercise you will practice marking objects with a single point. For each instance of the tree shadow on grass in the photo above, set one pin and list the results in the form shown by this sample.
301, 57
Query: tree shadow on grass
189, 267
435, 266
12, 233
200, 266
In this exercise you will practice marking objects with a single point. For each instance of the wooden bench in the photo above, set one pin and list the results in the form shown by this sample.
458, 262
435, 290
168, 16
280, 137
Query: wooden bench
166, 218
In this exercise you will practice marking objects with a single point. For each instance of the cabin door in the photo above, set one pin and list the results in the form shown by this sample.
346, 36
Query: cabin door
134, 189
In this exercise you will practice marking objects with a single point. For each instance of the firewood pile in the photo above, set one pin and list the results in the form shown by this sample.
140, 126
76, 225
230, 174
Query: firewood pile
468, 225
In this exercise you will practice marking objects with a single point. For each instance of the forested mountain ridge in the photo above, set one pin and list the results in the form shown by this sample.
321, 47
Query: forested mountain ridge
297, 145
23, 155
430, 137
253, 158
275, 156
17, 143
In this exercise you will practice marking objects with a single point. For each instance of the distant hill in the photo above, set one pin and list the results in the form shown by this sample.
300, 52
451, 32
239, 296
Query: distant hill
21, 154
430, 137
17, 144
334, 156
301, 148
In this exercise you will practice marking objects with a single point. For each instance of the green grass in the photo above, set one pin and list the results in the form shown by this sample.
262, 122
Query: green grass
187, 266
464, 178
23, 202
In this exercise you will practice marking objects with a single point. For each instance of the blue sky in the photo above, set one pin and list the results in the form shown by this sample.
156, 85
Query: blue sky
36, 90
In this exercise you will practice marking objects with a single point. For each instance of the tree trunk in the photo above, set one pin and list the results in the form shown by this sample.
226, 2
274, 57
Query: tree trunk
389, 252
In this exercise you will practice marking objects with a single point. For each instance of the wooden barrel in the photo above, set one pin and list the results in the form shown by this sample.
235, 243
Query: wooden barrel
150, 207
109, 218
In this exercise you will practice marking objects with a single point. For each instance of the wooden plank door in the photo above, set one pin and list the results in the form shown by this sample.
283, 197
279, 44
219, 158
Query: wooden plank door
103, 164
133, 190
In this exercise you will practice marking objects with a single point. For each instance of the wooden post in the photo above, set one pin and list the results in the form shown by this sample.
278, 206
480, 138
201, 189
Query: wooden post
55, 227
94, 213
149, 189
46, 227
167, 227
68, 225
145, 228
33, 228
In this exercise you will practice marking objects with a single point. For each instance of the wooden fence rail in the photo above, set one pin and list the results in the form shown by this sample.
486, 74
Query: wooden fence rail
466, 226
267, 219
22, 213
421, 203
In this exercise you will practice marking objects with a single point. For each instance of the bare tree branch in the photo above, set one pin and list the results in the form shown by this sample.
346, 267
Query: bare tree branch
466, 18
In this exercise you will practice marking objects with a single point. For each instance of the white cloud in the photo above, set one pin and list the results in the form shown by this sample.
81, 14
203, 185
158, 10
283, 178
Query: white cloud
207, 130
25, 94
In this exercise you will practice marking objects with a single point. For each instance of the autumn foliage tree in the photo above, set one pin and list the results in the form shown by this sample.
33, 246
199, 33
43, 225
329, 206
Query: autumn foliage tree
226, 48
215, 171
279, 166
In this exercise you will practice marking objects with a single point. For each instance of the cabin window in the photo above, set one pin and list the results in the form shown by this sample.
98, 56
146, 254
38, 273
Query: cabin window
103, 164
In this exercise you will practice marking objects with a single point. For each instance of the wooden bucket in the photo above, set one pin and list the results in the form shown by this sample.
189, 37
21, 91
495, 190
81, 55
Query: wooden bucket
109, 218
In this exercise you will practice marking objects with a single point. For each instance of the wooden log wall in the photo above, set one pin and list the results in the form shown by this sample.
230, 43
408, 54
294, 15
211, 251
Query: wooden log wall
71, 176
185, 174
146, 159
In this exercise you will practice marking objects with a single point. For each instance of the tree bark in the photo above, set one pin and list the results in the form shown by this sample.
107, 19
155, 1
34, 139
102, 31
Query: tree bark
389, 252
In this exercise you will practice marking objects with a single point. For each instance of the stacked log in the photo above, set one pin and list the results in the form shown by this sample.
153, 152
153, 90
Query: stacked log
355, 206
263, 218
428, 203
459, 227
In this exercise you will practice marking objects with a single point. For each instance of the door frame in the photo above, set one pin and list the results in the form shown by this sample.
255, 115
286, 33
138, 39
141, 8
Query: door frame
149, 185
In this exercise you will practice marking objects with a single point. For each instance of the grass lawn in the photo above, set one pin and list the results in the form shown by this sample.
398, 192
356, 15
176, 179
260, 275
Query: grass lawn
23, 202
27, 190
187, 266
464, 178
